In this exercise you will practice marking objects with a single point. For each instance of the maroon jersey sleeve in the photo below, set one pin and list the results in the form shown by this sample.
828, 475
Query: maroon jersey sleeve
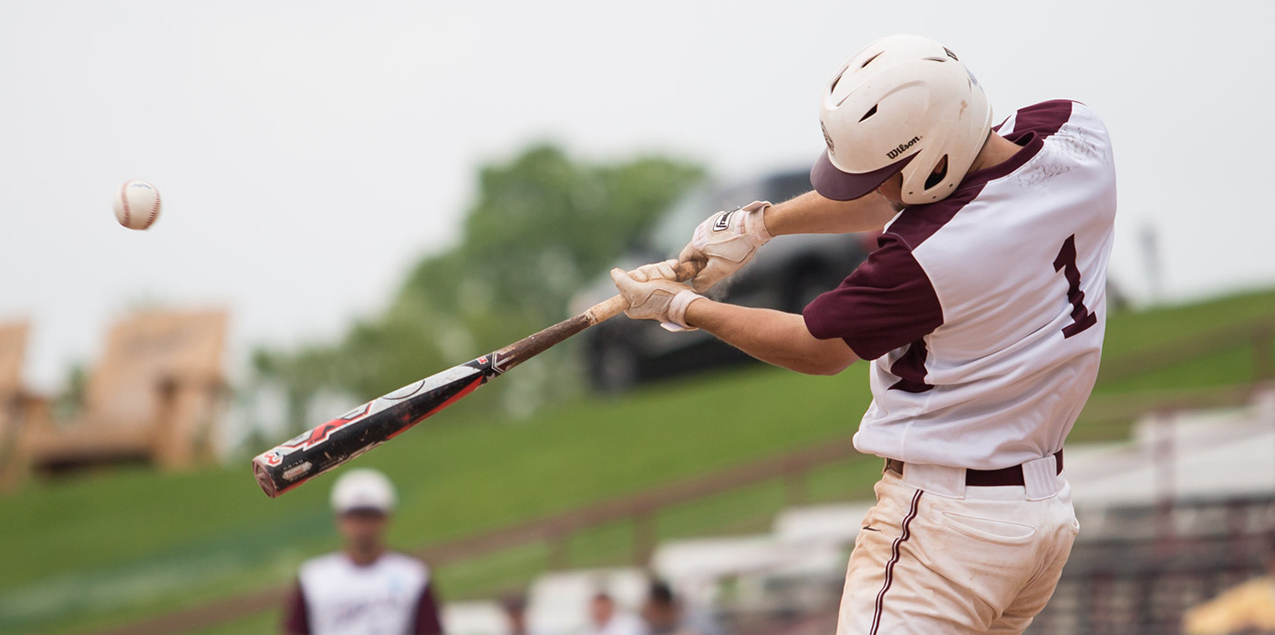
295, 619
888, 302
427, 620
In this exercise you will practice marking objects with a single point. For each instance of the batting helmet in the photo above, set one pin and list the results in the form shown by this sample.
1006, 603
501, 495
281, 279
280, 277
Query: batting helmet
901, 104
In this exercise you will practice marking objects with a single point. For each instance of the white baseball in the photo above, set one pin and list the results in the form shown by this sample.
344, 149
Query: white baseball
137, 204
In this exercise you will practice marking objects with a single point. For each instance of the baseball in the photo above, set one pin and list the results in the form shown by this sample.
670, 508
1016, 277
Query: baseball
137, 204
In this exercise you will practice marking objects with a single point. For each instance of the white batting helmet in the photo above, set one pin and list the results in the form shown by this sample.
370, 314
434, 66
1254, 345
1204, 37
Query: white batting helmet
900, 105
363, 489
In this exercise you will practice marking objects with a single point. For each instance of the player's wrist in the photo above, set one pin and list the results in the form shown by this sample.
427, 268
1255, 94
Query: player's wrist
754, 224
679, 305
696, 310
771, 221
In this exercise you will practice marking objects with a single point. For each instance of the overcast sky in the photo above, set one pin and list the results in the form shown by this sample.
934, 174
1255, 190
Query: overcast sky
308, 152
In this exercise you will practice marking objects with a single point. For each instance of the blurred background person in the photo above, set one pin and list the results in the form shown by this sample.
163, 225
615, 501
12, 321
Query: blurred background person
605, 619
515, 607
1246, 608
364, 588
664, 615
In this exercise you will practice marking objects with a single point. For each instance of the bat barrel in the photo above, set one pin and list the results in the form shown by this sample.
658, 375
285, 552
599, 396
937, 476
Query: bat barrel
329, 445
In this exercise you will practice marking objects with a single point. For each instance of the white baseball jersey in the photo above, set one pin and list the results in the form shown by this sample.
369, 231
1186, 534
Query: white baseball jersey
985, 312
620, 624
391, 596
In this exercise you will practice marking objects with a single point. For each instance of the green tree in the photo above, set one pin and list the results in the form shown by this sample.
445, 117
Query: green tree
544, 224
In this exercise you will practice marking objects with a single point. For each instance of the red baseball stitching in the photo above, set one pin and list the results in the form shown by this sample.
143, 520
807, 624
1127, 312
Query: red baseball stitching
154, 212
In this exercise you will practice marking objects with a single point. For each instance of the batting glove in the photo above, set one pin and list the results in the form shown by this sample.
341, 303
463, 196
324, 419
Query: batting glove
726, 241
654, 293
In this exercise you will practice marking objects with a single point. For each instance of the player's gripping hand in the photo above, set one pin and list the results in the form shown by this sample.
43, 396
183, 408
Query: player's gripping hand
654, 293
726, 241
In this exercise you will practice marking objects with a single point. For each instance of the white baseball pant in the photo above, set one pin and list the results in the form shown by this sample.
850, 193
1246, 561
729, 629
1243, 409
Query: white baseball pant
937, 557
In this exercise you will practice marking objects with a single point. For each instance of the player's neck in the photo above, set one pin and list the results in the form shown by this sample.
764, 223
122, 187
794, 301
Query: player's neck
364, 557
996, 151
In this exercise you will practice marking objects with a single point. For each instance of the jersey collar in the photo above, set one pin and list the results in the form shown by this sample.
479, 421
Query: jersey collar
1031, 144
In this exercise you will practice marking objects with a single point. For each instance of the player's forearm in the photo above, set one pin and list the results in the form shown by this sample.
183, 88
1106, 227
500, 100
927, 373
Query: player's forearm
773, 337
811, 213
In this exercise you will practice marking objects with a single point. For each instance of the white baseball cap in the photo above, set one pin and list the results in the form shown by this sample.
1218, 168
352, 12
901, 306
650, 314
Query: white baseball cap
363, 489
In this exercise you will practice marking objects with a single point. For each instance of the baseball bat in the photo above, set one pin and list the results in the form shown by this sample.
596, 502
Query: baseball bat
327, 446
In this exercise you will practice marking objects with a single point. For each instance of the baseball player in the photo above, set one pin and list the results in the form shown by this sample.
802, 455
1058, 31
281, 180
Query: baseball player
982, 310
364, 588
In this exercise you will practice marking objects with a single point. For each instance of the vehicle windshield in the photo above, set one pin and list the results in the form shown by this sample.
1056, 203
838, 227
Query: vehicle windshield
673, 231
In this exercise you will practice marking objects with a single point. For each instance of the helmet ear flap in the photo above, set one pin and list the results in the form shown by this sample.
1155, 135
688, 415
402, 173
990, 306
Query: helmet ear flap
919, 176
937, 176
919, 184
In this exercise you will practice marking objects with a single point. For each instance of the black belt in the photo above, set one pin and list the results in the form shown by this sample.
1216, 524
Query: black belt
985, 478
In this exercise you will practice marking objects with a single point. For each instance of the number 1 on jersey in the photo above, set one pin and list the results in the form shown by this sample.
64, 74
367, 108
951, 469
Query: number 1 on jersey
1081, 317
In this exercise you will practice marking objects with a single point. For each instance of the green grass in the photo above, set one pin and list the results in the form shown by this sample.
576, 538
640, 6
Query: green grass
119, 545
1131, 332
208, 531
1224, 367
258, 624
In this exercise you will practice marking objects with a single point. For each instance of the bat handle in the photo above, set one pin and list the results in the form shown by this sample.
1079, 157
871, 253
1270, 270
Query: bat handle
616, 305
607, 309
536, 343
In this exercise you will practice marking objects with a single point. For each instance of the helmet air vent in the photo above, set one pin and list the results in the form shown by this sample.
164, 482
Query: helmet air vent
938, 174
833, 89
871, 111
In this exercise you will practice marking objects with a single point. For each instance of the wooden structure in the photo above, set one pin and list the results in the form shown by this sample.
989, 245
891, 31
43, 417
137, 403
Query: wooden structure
13, 398
151, 398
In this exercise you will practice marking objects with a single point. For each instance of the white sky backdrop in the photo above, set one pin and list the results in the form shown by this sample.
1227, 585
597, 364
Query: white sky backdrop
308, 152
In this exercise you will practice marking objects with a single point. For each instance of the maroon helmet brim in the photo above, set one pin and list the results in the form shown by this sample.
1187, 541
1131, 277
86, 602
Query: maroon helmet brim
831, 183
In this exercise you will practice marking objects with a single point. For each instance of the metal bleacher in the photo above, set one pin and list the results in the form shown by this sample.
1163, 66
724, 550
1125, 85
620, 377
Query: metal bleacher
1137, 569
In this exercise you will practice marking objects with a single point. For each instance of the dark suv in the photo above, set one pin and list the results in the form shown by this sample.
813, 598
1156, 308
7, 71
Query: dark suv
786, 274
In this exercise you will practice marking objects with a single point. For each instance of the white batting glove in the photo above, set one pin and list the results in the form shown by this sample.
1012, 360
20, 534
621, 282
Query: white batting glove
654, 293
726, 241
